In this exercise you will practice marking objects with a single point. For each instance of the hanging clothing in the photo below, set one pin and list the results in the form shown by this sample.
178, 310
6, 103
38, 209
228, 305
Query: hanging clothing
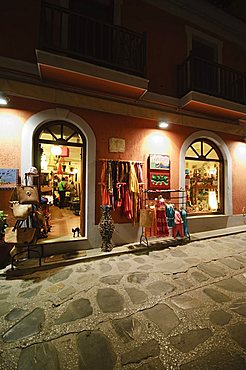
170, 215
178, 225
105, 198
183, 214
134, 190
152, 231
162, 228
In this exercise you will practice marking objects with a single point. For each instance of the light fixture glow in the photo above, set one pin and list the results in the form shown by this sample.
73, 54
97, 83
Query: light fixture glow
3, 100
56, 150
162, 124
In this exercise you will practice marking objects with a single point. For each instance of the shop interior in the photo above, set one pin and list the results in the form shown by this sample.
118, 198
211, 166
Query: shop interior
203, 179
60, 187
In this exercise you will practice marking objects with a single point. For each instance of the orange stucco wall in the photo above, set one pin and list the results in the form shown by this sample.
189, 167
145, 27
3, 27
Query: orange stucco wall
137, 133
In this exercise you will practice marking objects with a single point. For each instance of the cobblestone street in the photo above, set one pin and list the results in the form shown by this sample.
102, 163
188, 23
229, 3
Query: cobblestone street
182, 307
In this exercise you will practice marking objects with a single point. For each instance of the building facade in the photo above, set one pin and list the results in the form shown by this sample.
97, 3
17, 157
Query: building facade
95, 79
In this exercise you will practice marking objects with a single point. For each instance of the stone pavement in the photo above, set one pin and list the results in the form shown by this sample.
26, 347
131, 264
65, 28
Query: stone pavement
182, 307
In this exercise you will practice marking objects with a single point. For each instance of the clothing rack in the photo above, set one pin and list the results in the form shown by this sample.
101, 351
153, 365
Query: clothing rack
120, 160
176, 199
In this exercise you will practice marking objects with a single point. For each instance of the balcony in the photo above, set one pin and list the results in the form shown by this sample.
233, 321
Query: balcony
70, 34
212, 88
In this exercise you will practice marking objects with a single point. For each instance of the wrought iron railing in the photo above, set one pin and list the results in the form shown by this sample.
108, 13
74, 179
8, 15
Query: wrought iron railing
69, 33
211, 78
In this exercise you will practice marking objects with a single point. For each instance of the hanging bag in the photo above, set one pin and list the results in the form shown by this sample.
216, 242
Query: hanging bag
27, 194
21, 211
146, 217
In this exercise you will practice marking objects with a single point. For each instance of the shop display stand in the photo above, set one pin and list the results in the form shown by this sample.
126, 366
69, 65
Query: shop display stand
177, 197
30, 232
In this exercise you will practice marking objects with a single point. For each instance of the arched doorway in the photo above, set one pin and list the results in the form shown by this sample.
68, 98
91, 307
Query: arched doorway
204, 177
60, 156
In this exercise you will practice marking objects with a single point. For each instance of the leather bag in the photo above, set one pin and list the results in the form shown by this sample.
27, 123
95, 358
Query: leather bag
27, 194
146, 217
21, 211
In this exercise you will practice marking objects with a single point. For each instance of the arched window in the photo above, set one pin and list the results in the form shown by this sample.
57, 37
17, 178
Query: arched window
204, 178
60, 155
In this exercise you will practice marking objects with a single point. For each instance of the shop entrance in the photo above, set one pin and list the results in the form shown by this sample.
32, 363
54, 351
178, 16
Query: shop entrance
60, 149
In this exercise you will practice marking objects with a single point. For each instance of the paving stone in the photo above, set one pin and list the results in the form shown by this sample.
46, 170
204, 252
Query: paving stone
67, 292
28, 326
163, 316
77, 309
232, 284
183, 282
111, 280
109, 300
145, 267
55, 288
60, 276
3, 296
146, 350
220, 317
188, 341
240, 258
30, 293
153, 364
128, 328
139, 260
198, 276
218, 359
177, 253
192, 261
216, 296
41, 356
238, 333
186, 302
123, 266
171, 267
137, 296
212, 269
239, 307
232, 263
137, 277
105, 267
160, 287
15, 314
4, 308
95, 351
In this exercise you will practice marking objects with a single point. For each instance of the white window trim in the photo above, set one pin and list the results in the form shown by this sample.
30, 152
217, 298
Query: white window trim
27, 150
193, 33
227, 164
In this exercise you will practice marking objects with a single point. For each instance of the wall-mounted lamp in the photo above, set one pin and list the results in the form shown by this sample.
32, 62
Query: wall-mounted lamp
162, 124
3, 99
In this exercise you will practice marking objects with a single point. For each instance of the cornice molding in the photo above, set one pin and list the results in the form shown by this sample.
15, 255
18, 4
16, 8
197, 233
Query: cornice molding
206, 16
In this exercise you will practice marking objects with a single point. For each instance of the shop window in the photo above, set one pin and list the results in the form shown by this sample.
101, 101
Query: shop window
204, 178
59, 156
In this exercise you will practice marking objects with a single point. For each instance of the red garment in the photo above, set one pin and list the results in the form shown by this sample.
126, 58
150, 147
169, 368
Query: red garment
178, 225
162, 228
105, 198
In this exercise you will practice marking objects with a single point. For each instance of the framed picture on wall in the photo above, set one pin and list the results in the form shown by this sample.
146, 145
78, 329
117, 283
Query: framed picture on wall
159, 162
159, 180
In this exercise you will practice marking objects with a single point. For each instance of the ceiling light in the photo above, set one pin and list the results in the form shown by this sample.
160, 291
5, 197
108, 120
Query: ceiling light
162, 124
3, 99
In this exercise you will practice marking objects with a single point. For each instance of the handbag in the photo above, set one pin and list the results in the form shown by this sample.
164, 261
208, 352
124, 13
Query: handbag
27, 194
21, 211
146, 217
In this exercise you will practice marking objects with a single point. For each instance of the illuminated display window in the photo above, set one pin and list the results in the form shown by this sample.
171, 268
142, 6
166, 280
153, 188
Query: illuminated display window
204, 178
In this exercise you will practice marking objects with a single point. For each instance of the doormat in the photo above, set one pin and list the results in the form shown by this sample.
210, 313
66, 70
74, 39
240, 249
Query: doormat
65, 256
